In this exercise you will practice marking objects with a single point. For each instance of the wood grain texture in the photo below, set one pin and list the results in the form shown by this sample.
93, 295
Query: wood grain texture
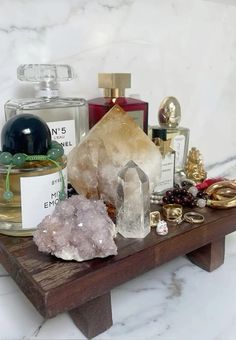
209, 257
55, 286
93, 317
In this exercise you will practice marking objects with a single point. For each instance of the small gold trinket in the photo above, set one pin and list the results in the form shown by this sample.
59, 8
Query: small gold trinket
164, 146
172, 212
193, 217
194, 168
155, 217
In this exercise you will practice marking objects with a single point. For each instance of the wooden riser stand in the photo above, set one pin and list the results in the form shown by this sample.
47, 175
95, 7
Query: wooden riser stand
83, 289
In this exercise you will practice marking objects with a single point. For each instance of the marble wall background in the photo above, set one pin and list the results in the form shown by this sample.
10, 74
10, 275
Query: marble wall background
172, 47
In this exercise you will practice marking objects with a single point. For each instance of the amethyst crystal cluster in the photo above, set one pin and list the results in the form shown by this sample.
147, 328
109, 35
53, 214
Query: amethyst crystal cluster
79, 229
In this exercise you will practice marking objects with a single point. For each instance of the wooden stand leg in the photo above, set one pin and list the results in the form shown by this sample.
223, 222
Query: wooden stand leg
94, 317
210, 256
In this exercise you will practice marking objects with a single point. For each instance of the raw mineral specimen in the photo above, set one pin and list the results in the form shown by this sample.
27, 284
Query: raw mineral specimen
133, 202
116, 139
79, 229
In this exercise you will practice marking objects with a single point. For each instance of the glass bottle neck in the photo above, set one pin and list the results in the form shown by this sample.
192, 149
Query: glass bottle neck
47, 90
114, 93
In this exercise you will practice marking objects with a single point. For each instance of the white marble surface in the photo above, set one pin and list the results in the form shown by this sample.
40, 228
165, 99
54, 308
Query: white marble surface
173, 47
177, 301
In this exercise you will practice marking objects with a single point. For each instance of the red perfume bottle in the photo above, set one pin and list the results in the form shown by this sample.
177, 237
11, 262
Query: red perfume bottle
114, 85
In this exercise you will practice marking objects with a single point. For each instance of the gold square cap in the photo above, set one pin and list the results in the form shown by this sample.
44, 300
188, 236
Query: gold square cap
114, 80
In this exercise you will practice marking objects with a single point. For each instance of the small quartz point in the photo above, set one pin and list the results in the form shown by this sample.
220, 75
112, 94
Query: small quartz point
133, 202
78, 229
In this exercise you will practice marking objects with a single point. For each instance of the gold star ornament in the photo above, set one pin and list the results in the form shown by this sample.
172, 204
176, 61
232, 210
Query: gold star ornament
164, 146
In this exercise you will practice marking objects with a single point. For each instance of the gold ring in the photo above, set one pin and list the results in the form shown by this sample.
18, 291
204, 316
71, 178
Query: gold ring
155, 217
172, 212
193, 217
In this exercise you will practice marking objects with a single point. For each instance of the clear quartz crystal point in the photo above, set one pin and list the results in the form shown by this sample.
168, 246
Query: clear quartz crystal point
133, 202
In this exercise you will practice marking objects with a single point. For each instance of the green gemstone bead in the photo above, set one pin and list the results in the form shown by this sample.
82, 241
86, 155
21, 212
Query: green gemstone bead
5, 158
56, 145
62, 195
19, 159
60, 152
54, 154
8, 195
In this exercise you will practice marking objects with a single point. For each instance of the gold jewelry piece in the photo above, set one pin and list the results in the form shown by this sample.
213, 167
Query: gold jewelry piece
223, 193
155, 217
193, 217
194, 168
220, 202
172, 212
219, 185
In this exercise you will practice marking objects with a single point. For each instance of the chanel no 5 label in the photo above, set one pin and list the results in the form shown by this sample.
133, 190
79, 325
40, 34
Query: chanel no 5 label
64, 133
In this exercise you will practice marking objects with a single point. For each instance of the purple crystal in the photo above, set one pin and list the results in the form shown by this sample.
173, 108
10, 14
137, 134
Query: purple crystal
79, 229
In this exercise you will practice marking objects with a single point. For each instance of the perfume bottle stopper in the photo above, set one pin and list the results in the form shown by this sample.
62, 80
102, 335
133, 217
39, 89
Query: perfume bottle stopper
169, 113
27, 134
114, 84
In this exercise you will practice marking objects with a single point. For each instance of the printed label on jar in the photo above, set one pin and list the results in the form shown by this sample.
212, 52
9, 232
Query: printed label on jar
39, 196
137, 117
178, 144
167, 173
64, 133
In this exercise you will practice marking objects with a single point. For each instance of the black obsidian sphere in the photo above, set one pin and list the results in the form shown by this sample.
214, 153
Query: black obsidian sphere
26, 133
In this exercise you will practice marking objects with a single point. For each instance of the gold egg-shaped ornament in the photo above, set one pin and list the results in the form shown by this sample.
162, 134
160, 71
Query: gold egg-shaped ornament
169, 114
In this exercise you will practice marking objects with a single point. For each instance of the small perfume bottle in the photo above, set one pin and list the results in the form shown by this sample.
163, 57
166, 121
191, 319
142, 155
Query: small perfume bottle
32, 174
169, 116
67, 118
167, 166
114, 85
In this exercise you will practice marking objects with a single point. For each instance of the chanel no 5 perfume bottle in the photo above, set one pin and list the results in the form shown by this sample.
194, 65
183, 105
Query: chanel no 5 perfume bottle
67, 118
169, 116
32, 174
114, 85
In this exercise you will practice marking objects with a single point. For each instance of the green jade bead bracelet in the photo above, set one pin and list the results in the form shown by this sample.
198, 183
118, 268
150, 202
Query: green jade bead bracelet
54, 153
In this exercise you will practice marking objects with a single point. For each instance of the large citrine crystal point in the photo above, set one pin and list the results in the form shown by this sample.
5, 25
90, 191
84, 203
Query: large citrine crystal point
116, 139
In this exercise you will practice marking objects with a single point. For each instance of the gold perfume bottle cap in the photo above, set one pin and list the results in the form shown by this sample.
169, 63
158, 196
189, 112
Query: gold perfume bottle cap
169, 114
114, 84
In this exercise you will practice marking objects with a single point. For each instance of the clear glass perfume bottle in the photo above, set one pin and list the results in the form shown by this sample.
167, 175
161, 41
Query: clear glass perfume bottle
169, 116
67, 118
114, 85
33, 174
